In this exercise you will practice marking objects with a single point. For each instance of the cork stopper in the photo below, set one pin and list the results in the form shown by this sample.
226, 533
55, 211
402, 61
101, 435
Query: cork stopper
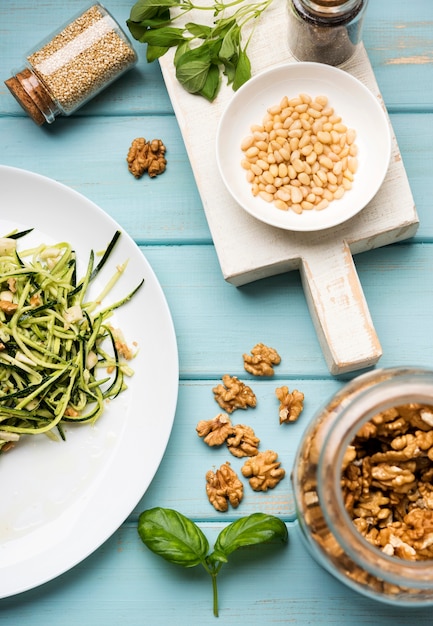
32, 96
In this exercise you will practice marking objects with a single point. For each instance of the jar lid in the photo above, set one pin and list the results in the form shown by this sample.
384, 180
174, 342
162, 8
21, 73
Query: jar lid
31, 95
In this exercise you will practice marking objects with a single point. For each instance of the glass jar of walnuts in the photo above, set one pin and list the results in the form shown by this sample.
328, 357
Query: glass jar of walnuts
363, 484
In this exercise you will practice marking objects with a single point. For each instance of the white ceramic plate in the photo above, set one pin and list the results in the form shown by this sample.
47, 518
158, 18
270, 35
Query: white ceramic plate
350, 99
61, 500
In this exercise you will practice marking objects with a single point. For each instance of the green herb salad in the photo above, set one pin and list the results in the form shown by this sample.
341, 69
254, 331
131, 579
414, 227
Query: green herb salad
60, 359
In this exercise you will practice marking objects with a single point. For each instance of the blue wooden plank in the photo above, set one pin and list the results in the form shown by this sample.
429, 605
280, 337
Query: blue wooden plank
123, 583
215, 321
397, 37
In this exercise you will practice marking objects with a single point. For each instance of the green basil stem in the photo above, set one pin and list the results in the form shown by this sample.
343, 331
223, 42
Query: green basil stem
213, 571
214, 575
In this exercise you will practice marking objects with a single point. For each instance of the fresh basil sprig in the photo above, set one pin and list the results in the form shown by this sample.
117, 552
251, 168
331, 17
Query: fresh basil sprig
203, 52
179, 540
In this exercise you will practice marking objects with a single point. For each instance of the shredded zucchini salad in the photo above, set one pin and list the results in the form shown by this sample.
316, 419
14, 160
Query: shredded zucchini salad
60, 359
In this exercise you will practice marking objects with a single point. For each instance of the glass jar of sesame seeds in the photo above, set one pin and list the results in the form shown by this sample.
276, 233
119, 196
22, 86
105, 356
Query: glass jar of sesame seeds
72, 65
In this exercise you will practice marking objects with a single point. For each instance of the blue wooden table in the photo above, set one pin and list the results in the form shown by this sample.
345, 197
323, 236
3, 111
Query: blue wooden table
122, 582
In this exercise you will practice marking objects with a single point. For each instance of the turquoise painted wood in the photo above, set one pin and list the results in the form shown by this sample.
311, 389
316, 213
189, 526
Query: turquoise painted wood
215, 323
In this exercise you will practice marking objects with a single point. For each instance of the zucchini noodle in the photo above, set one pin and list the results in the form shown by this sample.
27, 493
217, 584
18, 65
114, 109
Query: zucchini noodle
55, 340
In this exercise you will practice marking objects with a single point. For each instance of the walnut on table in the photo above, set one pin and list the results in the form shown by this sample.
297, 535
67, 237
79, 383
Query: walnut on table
242, 441
263, 470
146, 156
215, 431
223, 487
234, 394
291, 404
261, 361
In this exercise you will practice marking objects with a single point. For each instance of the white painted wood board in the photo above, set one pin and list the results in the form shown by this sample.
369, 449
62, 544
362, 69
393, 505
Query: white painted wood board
249, 250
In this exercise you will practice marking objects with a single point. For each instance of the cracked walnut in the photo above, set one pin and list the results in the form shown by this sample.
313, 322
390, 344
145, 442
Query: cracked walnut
146, 156
234, 394
263, 470
262, 360
223, 487
291, 404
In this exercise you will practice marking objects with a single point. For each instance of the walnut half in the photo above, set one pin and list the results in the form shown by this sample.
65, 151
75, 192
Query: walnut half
224, 487
146, 156
263, 470
242, 441
291, 404
261, 361
234, 394
215, 431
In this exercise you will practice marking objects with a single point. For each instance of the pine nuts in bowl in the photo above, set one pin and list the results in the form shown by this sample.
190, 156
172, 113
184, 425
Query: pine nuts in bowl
303, 146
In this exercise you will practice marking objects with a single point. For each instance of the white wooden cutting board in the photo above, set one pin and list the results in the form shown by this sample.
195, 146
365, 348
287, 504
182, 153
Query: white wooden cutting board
249, 250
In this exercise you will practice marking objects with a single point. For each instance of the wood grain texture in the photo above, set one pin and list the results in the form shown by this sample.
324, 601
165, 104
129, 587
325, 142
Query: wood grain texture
215, 323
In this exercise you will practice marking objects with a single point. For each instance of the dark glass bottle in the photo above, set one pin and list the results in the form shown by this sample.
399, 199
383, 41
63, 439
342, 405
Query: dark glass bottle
325, 31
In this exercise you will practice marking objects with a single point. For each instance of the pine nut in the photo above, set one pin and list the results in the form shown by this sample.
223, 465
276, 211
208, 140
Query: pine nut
324, 136
283, 194
263, 164
256, 169
283, 206
304, 178
247, 143
273, 168
323, 204
326, 162
307, 206
266, 196
250, 176
282, 170
252, 152
296, 194
267, 177
353, 165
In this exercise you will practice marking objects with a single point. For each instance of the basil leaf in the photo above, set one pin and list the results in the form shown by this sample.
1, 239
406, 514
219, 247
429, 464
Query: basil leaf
248, 531
211, 86
198, 30
136, 30
155, 52
230, 69
230, 44
180, 50
192, 68
222, 27
165, 37
147, 9
243, 70
173, 536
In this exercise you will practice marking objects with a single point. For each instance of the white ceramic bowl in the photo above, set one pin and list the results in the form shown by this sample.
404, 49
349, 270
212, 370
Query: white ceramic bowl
350, 98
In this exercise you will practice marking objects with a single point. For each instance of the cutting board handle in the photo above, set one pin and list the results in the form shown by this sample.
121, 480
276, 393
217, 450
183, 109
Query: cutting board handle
338, 308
